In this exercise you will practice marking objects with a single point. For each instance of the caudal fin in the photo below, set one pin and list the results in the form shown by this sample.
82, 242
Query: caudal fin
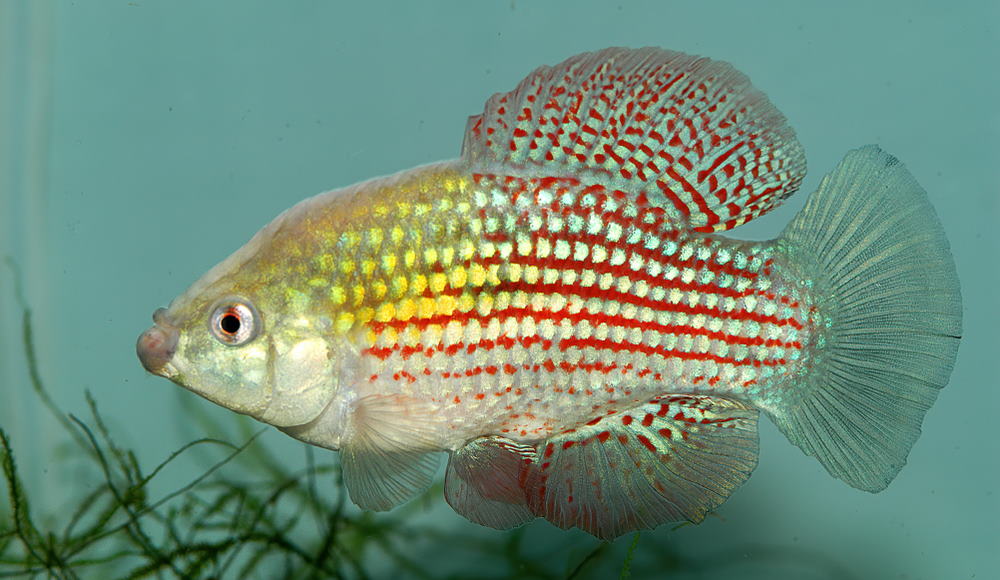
875, 244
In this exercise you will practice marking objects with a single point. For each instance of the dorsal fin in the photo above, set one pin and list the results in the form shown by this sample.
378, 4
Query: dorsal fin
690, 134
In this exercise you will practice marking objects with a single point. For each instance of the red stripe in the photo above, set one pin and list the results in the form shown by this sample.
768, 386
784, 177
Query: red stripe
712, 218
595, 318
588, 292
568, 343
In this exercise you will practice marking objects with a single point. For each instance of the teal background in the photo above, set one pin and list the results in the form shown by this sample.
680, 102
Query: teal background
141, 142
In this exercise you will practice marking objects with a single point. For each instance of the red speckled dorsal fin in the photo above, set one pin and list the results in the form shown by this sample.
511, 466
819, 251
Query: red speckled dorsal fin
690, 134
674, 458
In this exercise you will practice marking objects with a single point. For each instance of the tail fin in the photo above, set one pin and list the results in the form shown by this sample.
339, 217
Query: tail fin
895, 309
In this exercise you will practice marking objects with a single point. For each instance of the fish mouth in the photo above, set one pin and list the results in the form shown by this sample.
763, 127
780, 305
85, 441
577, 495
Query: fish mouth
156, 346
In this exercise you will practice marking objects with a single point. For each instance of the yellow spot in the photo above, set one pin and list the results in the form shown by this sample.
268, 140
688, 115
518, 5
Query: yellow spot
375, 237
484, 306
406, 310
344, 321
430, 255
466, 303
368, 267
419, 284
427, 307
477, 275
388, 263
326, 262
359, 295
467, 251
531, 274
397, 234
502, 301
493, 275
317, 282
446, 305
379, 289
365, 315
385, 312
399, 284
437, 282
409, 258
447, 255
347, 266
458, 277
514, 272
337, 295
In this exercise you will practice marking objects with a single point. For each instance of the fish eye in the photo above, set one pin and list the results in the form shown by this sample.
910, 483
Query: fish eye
234, 322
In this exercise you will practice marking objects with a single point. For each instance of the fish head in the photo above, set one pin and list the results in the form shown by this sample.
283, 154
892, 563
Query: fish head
242, 338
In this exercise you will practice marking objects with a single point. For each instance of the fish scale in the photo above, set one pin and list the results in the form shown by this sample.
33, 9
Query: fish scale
603, 308
557, 311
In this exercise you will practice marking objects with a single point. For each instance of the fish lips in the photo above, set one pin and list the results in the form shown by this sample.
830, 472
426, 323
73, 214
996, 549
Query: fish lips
157, 345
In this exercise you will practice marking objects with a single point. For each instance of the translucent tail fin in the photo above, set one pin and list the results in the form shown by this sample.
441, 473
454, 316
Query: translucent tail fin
895, 311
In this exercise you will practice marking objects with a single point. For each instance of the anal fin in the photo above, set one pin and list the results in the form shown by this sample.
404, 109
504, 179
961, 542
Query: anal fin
671, 459
484, 482
388, 454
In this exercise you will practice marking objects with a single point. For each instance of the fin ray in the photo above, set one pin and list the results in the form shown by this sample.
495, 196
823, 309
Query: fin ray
670, 459
688, 133
387, 455
871, 238
483, 482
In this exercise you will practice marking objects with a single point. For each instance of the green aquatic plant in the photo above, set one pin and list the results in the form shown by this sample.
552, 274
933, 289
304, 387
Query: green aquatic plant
247, 514
259, 518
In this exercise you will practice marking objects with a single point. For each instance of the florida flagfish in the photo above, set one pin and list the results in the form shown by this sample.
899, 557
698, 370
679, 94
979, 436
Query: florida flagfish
557, 310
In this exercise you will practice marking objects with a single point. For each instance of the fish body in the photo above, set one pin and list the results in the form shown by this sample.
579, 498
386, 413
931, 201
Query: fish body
557, 310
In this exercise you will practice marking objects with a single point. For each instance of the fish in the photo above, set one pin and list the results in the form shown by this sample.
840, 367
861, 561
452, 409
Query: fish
560, 311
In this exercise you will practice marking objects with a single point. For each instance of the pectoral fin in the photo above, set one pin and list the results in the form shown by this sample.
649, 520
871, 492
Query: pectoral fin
388, 455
